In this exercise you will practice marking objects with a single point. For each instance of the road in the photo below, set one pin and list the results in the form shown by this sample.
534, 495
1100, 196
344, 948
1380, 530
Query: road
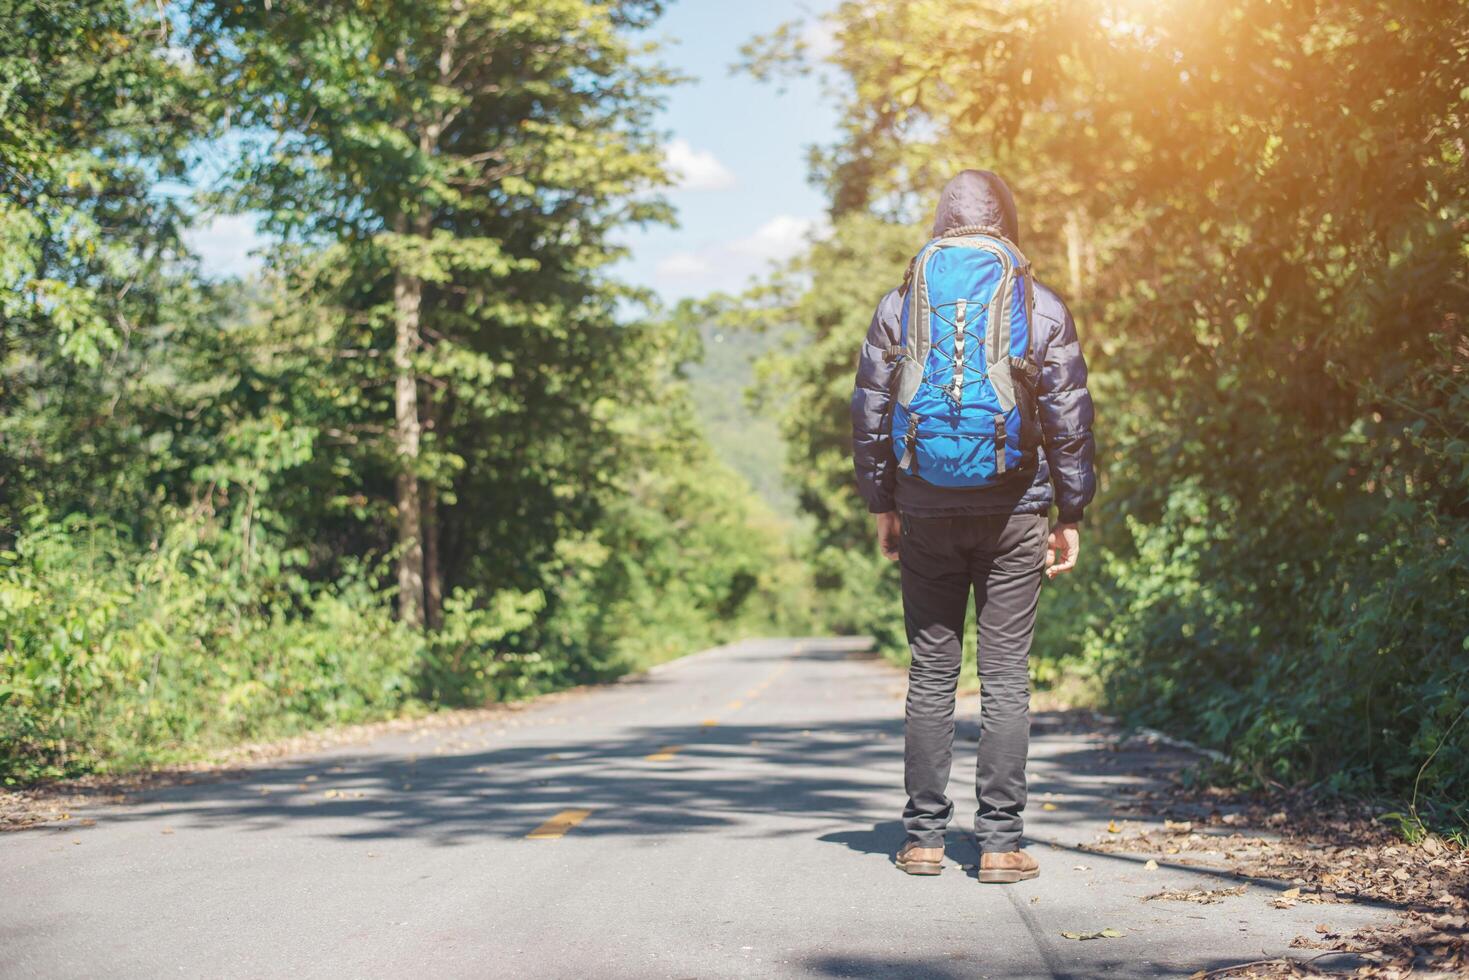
730, 815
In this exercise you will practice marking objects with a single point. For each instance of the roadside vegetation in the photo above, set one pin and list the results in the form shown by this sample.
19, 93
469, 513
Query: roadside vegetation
432, 453
1257, 212
422, 458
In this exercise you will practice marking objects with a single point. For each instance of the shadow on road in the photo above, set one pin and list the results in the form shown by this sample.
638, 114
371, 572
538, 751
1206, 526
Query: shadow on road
967, 966
454, 793
456, 790
959, 966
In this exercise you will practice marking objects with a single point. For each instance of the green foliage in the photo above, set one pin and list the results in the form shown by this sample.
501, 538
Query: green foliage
462, 662
811, 305
464, 165
1354, 678
92, 116
202, 485
686, 552
116, 655
1257, 210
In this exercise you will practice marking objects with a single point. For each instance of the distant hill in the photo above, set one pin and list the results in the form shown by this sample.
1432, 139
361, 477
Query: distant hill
749, 442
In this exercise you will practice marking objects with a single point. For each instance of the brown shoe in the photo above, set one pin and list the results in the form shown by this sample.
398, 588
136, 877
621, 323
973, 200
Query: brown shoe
1006, 867
917, 860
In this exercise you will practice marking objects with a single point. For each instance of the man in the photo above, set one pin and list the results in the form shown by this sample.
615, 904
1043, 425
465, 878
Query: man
994, 539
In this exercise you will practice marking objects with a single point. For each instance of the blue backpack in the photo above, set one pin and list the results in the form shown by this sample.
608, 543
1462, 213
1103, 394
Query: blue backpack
964, 410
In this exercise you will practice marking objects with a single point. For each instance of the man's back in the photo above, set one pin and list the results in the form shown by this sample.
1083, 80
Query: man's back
990, 539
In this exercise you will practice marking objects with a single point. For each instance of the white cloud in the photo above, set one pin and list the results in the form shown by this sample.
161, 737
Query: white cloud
696, 170
224, 244
682, 265
730, 265
780, 238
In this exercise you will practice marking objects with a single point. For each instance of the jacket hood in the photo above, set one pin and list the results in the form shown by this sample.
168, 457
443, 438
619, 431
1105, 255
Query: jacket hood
977, 197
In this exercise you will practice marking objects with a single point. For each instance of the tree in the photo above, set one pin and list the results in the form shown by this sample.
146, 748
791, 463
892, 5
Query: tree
92, 115
202, 482
464, 161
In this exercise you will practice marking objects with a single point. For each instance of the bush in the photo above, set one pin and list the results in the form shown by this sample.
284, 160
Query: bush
1308, 651
115, 655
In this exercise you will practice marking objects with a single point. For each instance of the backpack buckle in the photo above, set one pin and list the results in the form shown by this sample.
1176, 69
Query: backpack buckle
1028, 369
909, 461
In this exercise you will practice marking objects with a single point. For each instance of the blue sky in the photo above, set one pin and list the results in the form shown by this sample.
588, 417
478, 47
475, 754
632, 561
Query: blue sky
742, 144
738, 145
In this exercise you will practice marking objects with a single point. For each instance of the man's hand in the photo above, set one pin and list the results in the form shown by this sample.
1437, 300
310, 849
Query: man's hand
1062, 549
889, 534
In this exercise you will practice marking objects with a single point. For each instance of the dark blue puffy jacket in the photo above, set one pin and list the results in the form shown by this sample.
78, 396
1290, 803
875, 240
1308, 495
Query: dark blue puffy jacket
1063, 474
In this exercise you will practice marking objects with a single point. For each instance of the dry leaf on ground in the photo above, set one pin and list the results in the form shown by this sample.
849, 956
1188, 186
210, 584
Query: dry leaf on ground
1108, 933
1325, 851
1200, 896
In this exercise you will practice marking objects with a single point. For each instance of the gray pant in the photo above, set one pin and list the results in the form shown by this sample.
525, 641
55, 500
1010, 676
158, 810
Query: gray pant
1001, 559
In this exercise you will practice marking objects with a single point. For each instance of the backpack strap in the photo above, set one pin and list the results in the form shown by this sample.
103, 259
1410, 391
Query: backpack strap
1001, 437
909, 461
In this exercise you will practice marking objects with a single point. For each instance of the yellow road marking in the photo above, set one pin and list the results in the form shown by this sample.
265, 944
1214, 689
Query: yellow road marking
759, 689
558, 825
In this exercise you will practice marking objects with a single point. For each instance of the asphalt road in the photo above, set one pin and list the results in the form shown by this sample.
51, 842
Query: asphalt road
731, 815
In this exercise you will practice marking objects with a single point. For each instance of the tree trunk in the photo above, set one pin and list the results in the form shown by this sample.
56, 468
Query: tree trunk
1074, 247
433, 579
418, 578
407, 307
